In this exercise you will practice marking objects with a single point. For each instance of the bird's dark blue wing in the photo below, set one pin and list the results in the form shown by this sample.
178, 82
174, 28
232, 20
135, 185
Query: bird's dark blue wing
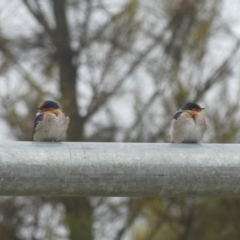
177, 114
37, 121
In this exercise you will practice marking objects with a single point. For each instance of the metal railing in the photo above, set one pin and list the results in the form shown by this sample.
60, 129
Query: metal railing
119, 169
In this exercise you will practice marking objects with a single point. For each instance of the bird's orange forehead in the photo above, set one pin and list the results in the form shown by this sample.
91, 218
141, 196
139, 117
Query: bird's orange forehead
50, 111
196, 109
194, 113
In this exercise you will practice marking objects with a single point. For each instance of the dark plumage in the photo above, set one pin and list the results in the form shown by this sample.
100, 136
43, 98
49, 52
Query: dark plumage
191, 106
37, 120
49, 104
177, 114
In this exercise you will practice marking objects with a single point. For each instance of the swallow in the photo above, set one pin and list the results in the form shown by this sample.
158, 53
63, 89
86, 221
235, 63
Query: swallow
50, 123
188, 124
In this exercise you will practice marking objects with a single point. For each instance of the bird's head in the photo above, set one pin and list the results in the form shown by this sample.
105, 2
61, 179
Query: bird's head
48, 106
192, 107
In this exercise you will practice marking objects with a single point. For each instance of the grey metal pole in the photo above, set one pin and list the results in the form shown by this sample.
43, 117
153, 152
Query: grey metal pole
119, 169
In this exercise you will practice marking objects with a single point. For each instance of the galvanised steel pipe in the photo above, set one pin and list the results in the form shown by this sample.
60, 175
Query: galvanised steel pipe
119, 169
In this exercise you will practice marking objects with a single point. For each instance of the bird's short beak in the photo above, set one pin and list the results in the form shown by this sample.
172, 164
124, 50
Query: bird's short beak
38, 108
202, 108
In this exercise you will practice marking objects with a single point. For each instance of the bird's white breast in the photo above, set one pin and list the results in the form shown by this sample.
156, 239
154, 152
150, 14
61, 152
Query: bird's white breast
52, 128
187, 129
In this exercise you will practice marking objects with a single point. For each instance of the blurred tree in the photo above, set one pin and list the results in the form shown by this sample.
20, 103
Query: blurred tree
120, 70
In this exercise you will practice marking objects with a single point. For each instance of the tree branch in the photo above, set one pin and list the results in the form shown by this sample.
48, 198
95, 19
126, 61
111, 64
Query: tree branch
37, 13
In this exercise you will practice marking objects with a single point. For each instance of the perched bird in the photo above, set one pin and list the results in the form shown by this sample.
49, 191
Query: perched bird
188, 124
50, 123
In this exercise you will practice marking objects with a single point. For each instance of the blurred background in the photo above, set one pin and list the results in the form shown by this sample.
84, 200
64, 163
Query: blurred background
120, 69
